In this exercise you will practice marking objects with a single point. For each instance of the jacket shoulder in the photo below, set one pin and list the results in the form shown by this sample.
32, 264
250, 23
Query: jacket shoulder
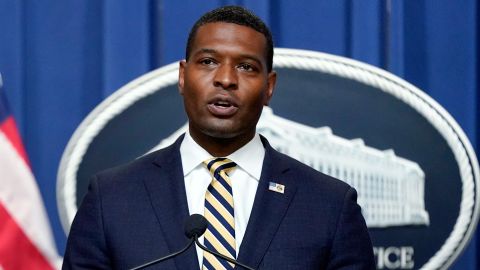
142, 165
309, 177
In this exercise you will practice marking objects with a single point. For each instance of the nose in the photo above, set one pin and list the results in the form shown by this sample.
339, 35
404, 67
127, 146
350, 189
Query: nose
226, 77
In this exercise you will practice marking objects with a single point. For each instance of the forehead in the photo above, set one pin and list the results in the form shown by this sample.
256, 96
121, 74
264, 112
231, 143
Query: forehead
229, 37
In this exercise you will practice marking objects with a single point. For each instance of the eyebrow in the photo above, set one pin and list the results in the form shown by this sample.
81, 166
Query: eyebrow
206, 50
213, 51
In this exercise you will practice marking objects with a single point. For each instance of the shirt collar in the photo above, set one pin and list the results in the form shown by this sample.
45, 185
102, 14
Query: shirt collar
249, 157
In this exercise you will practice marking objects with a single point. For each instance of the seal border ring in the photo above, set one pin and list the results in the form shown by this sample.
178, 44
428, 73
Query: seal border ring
160, 78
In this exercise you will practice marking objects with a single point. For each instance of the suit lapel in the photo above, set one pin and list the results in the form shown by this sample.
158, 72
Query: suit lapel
269, 208
169, 201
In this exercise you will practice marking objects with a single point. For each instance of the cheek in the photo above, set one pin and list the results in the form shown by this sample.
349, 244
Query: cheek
196, 87
257, 99
193, 100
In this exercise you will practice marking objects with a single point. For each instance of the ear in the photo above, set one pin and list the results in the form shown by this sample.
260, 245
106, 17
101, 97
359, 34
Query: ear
181, 76
271, 81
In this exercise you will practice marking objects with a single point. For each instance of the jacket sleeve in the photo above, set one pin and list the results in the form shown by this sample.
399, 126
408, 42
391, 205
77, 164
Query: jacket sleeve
352, 248
86, 245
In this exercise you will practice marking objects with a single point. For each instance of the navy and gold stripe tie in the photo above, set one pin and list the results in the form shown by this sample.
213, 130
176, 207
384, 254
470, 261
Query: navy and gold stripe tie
220, 234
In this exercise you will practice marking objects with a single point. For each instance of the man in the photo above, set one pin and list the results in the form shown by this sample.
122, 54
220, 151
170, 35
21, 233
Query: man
264, 209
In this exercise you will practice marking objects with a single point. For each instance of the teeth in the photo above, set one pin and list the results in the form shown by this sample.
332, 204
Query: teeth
222, 103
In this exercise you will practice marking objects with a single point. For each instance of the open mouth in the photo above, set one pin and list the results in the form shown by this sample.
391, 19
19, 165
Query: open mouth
222, 108
224, 104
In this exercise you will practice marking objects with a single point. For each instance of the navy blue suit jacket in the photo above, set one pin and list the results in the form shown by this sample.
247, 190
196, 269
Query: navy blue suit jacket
135, 213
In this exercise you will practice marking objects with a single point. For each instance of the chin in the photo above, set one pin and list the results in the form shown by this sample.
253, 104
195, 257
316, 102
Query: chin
220, 133
225, 129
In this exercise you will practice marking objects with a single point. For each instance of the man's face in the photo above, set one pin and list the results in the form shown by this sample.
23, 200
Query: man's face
225, 82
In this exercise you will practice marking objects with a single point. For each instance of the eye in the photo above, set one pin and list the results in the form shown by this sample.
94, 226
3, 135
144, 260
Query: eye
246, 67
207, 61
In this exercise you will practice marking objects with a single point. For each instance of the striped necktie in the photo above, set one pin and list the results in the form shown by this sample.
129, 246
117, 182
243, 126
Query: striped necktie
220, 234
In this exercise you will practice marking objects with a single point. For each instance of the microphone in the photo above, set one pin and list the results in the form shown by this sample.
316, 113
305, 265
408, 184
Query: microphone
195, 226
202, 220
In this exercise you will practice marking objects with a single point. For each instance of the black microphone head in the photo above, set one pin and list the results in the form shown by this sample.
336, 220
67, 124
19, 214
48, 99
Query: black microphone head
195, 225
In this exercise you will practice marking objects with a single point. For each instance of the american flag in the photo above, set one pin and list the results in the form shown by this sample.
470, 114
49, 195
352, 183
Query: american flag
276, 187
26, 240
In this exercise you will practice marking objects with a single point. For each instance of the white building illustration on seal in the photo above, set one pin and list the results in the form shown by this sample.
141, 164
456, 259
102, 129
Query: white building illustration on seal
390, 188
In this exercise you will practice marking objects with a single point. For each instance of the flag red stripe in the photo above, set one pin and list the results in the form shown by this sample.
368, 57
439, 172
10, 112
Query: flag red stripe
9, 128
16, 249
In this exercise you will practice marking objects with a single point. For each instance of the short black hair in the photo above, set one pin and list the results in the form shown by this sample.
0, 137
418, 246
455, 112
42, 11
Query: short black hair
237, 15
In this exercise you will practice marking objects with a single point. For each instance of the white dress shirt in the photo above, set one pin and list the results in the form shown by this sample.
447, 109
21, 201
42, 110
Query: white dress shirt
245, 177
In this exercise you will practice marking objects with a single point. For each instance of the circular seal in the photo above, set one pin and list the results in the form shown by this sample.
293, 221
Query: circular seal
414, 169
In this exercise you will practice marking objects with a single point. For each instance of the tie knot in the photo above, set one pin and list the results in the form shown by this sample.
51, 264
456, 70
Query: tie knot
217, 165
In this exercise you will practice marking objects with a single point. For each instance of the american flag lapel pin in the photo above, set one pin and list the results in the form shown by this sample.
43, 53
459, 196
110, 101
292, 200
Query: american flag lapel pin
276, 187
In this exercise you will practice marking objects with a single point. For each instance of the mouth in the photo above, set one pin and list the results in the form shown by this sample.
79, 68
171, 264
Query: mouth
222, 107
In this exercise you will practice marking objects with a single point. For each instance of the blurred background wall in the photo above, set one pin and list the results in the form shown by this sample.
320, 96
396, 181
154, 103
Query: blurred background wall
59, 59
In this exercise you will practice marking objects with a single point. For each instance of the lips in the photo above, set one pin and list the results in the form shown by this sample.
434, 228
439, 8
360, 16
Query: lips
222, 107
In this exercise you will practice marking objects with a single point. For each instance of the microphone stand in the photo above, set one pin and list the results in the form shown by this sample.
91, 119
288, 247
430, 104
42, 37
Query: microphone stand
221, 255
195, 226
166, 257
